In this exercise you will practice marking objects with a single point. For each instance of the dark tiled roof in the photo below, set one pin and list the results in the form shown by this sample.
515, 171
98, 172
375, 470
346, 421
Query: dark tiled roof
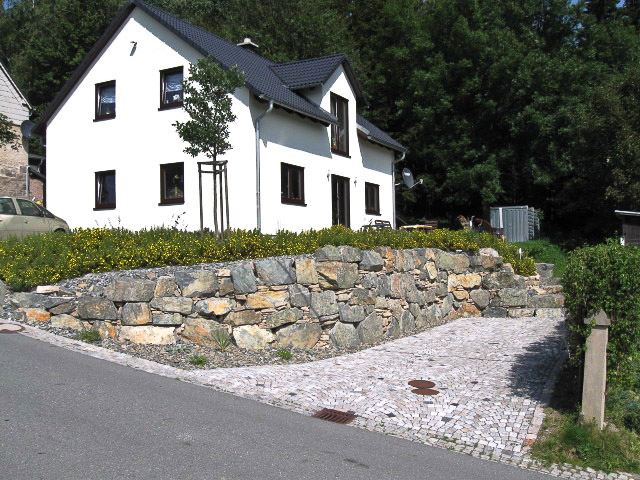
264, 78
376, 135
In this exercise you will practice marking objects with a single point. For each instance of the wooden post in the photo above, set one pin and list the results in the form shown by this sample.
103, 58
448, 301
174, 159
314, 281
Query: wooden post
595, 369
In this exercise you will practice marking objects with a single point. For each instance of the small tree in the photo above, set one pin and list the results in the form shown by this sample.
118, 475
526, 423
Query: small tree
208, 101
7, 134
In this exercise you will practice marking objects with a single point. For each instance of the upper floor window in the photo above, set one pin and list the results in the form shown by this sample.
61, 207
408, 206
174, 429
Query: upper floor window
291, 184
105, 189
372, 198
171, 183
106, 100
171, 88
340, 132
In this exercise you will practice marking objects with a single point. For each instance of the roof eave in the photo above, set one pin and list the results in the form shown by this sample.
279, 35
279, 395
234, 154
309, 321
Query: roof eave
367, 136
15, 86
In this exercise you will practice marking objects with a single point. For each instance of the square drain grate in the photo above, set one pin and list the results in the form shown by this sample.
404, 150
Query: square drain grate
335, 416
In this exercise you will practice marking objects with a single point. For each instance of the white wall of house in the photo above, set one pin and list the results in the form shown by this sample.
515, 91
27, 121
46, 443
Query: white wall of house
141, 138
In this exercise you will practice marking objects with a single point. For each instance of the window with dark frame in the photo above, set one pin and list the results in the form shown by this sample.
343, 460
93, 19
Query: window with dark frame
106, 100
105, 190
172, 183
171, 90
340, 132
291, 184
372, 198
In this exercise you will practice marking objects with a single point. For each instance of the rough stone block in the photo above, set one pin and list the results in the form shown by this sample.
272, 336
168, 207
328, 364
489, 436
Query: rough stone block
306, 271
498, 280
431, 270
252, 337
170, 319
63, 308
550, 312
467, 281
36, 300
383, 286
495, 312
344, 335
165, 287
351, 314
512, 297
521, 312
202, 331
468, 310
361, 296
350, 254
546, 301
404, 261
300, 335
432, 317
407, 322
183, 305
93, 308
244, 281
480, 298
275, 271
125, 289
135, 314
371, 329
328, 253
371, 261
66, 321
225, 286
243, 317
337, 275
199, 283
323, 304
299, 296
267, 299
146, 335
105, 329
34, 315
283, 317
452, 262
214, 306
394, 330
460, 295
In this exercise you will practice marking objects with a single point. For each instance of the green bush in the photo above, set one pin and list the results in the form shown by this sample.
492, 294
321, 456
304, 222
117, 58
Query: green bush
198, 360
49, 258
623, 408
607, 277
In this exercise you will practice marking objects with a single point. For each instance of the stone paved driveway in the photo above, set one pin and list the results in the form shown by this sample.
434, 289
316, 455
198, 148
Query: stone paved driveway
491, 375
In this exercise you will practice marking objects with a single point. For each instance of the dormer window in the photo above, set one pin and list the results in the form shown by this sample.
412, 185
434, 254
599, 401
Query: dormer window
171, 93
340, 132
106, 100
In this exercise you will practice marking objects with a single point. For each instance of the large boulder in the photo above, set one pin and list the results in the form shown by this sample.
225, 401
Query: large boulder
480, 298
244, 281
362, 296
351, 314
36, 300
252, 337
124, 289
276, 271
135, 314
267, 299
452, 262
167, 319
243, 317
94, 308
202, 331
371, 329
323, 304
337, 275
498, 280
546, 301
214, 306
34, 315
165, 287
371, 261
300, 335
328, 253
183, 305
299, 296
511, 297
199, 283
66, 321
306, 271
148, 335
344, 335
283, 317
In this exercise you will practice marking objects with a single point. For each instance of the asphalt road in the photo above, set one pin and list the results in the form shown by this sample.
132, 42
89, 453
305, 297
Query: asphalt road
64, 415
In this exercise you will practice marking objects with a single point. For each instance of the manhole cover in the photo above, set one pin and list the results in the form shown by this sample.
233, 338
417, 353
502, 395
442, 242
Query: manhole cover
422, 384
425, 391
10, 328
335, 416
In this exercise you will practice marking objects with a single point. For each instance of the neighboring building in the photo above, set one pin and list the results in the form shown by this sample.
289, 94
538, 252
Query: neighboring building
320, 163
13, 163
630, 227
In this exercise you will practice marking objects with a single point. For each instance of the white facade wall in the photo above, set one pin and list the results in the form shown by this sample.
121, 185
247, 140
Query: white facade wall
141, 138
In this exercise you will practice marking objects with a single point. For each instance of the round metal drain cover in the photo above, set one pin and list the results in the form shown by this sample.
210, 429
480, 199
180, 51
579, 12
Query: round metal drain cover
422, 384
425, 391
10, 328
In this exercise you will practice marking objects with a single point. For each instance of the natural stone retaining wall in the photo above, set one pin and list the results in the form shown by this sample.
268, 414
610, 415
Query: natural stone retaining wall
340, 294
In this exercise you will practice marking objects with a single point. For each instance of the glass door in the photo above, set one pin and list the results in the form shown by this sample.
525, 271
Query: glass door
340, 200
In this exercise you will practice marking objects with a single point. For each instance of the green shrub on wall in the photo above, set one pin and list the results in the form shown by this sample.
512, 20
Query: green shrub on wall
607, 277
44, 259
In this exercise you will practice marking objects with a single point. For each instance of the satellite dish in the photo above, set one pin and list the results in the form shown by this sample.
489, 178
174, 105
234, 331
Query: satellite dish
27, 128
407, 177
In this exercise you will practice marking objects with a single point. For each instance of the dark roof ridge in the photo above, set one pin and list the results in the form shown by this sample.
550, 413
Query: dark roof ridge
311, 59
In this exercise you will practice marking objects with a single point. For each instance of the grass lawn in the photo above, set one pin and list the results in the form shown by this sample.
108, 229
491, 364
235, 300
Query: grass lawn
543, 251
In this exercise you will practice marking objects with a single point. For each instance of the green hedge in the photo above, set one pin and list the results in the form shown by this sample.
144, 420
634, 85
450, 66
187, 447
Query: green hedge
45, 259
607, 277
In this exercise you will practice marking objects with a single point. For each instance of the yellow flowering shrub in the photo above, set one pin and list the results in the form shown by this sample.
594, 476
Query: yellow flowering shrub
48, 258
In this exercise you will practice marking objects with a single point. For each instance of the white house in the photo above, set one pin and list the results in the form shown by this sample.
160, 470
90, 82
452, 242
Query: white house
302, 157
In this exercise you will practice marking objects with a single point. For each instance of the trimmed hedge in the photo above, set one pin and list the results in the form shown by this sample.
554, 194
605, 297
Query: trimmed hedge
607, 277
49, 258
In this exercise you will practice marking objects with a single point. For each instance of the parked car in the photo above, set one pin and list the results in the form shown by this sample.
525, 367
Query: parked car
20, 217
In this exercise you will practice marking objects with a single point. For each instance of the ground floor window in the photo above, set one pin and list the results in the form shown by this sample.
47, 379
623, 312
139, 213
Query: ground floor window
372, 198
172, 183
291, 184
105, 189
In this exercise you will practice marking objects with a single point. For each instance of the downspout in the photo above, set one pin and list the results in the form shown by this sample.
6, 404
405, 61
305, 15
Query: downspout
257, 127
393, 187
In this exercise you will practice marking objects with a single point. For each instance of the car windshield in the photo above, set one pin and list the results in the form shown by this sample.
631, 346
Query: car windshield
46, 212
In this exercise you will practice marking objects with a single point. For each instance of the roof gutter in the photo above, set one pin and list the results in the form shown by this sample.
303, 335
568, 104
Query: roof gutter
257, 127
393, 186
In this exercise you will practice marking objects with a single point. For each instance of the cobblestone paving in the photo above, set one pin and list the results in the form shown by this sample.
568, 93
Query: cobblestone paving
494, 377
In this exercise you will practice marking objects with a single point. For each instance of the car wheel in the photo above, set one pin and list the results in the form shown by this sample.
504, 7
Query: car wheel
59, 230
